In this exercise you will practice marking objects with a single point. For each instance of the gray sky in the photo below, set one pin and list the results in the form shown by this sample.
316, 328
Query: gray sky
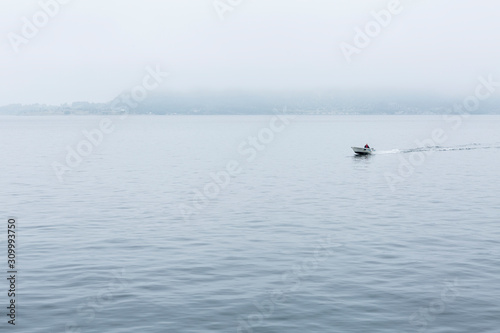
94, 49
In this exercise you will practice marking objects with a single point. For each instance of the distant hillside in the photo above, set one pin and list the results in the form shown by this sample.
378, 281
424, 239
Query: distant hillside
258, 103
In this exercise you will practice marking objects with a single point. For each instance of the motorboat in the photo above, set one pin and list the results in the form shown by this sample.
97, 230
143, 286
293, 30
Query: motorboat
363, 151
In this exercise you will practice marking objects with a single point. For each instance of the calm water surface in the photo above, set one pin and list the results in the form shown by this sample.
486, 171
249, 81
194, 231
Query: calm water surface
147, 232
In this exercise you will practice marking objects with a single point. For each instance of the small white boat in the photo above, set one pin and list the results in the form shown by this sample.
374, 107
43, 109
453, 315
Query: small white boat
363, 151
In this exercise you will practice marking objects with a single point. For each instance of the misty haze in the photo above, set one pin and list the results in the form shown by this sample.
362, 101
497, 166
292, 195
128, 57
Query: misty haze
250, 166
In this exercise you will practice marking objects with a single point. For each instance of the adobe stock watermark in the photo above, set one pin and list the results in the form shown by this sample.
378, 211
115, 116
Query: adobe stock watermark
371, 30
248, 151
223, 6
39, 20
425, 315
93, 138
453, 121
292, 281
88, 310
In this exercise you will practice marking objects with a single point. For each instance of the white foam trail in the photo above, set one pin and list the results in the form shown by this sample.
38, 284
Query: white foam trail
393, 151
471, 146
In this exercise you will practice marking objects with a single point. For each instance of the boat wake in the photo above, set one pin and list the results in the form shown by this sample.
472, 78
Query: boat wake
383, 152
471, 146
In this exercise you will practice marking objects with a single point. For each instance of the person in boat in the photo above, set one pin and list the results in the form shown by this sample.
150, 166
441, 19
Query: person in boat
366, 146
